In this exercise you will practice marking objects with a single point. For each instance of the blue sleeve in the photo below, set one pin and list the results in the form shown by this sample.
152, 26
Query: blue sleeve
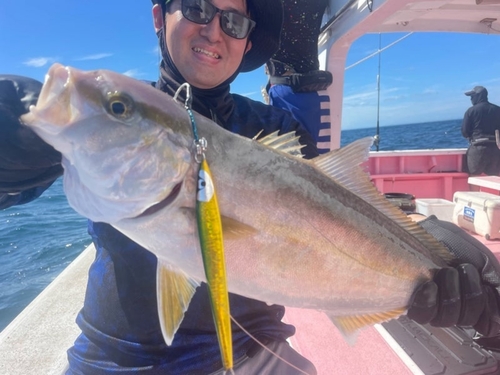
23, 197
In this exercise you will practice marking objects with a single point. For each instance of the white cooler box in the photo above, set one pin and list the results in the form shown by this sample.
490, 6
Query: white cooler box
478, 212
442, 208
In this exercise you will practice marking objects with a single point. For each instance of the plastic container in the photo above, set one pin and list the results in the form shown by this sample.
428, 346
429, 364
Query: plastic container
478, 212
442, 208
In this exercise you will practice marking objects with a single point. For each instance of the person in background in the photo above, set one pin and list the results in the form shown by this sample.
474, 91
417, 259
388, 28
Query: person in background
478, 126
294, 76
206, 43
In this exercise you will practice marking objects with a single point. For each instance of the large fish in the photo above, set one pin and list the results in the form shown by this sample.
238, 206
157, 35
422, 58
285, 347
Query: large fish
305, 233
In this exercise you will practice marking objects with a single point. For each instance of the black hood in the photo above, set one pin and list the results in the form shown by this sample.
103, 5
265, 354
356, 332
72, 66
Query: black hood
478, 94
217, 103
480, 97
265, 37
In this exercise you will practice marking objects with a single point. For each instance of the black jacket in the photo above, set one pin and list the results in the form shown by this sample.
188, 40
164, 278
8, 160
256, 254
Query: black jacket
481, 120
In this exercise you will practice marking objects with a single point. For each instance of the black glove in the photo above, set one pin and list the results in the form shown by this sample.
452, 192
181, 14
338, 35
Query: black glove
467, 295
28, 165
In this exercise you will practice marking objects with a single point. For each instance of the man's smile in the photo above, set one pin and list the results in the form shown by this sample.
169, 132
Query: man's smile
207, 53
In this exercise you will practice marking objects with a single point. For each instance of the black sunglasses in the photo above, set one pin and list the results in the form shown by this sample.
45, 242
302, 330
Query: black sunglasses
203, 12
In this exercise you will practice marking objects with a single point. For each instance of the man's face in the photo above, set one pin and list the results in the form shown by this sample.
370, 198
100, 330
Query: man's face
204, 54
474, 98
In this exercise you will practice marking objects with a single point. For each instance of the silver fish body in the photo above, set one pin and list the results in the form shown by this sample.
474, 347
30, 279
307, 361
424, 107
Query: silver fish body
311, 234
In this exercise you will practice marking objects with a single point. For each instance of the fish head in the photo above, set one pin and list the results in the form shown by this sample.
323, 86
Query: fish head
125, 145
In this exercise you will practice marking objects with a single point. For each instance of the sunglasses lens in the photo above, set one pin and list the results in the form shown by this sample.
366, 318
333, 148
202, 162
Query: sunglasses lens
198, 11
202, 12
235, 25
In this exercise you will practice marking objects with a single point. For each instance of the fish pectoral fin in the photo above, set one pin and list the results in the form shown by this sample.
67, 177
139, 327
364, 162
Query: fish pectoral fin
234, 229
174, 290
350, 325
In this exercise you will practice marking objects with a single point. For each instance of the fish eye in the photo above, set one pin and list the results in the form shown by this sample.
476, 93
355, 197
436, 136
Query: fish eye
120, 105
118, 108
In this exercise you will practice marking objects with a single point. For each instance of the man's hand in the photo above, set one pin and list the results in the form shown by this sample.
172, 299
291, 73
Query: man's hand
27, 164
467, 295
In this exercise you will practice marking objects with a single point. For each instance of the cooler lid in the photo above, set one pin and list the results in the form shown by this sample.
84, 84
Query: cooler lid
478, 198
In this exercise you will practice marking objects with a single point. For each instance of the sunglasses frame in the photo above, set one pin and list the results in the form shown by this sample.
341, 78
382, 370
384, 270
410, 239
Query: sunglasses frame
222, 14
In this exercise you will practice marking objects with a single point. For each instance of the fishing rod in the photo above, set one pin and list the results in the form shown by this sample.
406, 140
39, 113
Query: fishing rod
376, 138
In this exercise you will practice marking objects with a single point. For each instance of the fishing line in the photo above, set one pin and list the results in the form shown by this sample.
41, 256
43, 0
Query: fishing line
266, 348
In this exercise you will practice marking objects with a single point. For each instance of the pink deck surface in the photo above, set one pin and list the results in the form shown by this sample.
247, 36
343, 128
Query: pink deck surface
319, 340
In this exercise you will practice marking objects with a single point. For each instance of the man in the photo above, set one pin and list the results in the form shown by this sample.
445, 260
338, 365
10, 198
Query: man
478, 126
206, 44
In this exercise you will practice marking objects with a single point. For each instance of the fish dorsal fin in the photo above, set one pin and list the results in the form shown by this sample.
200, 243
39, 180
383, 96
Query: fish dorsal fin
350, 325
287, 143
174, 290
345, 167
339, 163
233, 229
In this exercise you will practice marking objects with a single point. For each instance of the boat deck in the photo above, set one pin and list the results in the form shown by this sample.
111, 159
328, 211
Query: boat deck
35, 342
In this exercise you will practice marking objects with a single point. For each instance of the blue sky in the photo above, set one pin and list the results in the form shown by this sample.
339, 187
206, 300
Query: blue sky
423, 77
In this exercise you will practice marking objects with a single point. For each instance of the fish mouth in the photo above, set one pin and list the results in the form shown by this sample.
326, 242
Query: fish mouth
163, 203
54, 108
56, 81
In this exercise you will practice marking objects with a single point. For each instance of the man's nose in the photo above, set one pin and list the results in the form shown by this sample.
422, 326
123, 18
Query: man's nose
212, 30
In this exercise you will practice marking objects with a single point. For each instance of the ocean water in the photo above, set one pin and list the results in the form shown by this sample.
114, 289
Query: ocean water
38, 240
430, 135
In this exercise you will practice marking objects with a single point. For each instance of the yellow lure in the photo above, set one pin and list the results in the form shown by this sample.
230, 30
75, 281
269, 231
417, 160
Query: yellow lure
212, 248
